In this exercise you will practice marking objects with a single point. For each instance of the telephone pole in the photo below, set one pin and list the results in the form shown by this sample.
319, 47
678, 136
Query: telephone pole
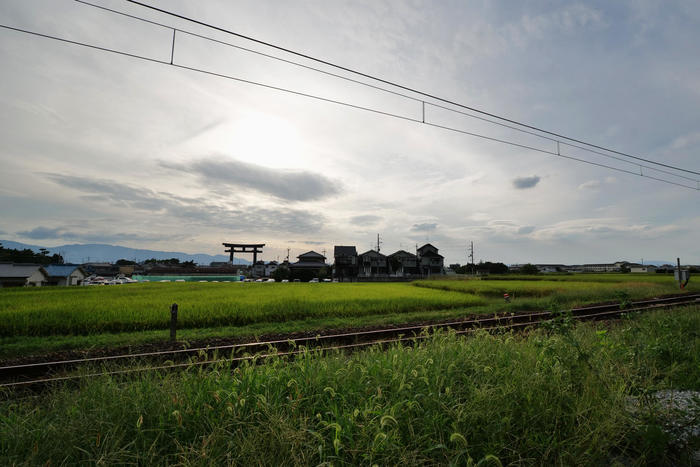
379, 242
471, 255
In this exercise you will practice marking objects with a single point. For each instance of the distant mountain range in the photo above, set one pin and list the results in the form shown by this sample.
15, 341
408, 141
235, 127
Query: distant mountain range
110, 253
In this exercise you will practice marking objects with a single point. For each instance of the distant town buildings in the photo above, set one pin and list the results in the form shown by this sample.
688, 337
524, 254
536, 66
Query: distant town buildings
22, 275
619, 266
347, 265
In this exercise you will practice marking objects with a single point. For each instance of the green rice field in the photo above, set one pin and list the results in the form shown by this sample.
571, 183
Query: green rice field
50, 318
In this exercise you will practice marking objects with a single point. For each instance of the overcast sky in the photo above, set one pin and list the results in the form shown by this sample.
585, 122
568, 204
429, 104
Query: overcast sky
102, 148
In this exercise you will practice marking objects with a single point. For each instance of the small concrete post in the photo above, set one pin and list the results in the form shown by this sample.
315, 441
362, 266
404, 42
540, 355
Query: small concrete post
173, 321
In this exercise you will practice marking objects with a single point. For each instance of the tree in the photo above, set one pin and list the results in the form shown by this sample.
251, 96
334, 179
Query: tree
529, 269
28, 256
280, 274
125, 262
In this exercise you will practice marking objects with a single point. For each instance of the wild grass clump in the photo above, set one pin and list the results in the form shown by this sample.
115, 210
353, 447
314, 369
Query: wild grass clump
558, 397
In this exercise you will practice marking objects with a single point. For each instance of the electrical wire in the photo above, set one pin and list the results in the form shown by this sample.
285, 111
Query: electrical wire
495, 122
470, 115
399, 86
338, 102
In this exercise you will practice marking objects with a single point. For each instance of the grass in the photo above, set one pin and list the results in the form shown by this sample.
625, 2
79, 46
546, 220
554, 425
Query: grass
43, 320
553, 397
89, 310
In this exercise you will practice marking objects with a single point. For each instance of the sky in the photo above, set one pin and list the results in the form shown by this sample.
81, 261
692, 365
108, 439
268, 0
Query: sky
103, 148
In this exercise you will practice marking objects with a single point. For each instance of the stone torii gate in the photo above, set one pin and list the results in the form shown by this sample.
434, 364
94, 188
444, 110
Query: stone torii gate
243, 248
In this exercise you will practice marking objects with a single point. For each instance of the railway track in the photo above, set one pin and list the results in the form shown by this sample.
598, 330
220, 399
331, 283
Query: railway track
40, 374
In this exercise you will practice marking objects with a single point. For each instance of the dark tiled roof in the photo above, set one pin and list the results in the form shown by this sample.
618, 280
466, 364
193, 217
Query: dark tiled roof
373, 253
310, 255
402, 253
19, 270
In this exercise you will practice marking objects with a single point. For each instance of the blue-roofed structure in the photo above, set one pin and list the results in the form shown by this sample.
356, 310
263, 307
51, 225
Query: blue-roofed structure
65, 274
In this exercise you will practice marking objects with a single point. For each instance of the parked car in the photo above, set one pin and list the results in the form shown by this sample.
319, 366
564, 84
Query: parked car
315, 279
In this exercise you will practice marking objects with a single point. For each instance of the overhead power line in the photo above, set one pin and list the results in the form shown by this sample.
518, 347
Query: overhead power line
400, 86
359, 107
379, 88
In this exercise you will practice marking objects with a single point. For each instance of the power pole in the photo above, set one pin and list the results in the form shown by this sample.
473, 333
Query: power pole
379, 242
471, 255
287, 254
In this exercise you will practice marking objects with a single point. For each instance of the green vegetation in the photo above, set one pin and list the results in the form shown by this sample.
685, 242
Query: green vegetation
26, 255
50, 319
90, 310
558, 396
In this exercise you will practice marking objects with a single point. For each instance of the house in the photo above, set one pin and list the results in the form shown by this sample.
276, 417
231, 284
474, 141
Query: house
403, 264
429, 260
551, 267
270, 268
643, 268
346, 262
372, 263
65, 274
259, 269
101, 269
22, 275
308, 266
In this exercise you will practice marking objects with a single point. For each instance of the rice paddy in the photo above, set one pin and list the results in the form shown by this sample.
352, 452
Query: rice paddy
51, 318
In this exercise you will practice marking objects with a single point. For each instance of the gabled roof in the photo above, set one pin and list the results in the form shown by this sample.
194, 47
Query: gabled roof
310, 255
426, 246
402, 253
339, 250
9, 270
63, 270
430, 253
373, 253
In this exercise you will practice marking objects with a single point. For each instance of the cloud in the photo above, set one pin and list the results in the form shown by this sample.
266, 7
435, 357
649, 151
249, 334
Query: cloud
39, 233
423, 227
596, 184
368, 219
289, 185
523, 183
192, 211
526, 229
589, 185
69, 233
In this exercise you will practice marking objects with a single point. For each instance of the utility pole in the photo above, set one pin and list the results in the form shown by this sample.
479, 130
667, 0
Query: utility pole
287, 255
471, 255
379, 242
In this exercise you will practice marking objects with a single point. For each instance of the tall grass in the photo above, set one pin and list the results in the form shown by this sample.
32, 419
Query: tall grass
134, 307
546, 399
